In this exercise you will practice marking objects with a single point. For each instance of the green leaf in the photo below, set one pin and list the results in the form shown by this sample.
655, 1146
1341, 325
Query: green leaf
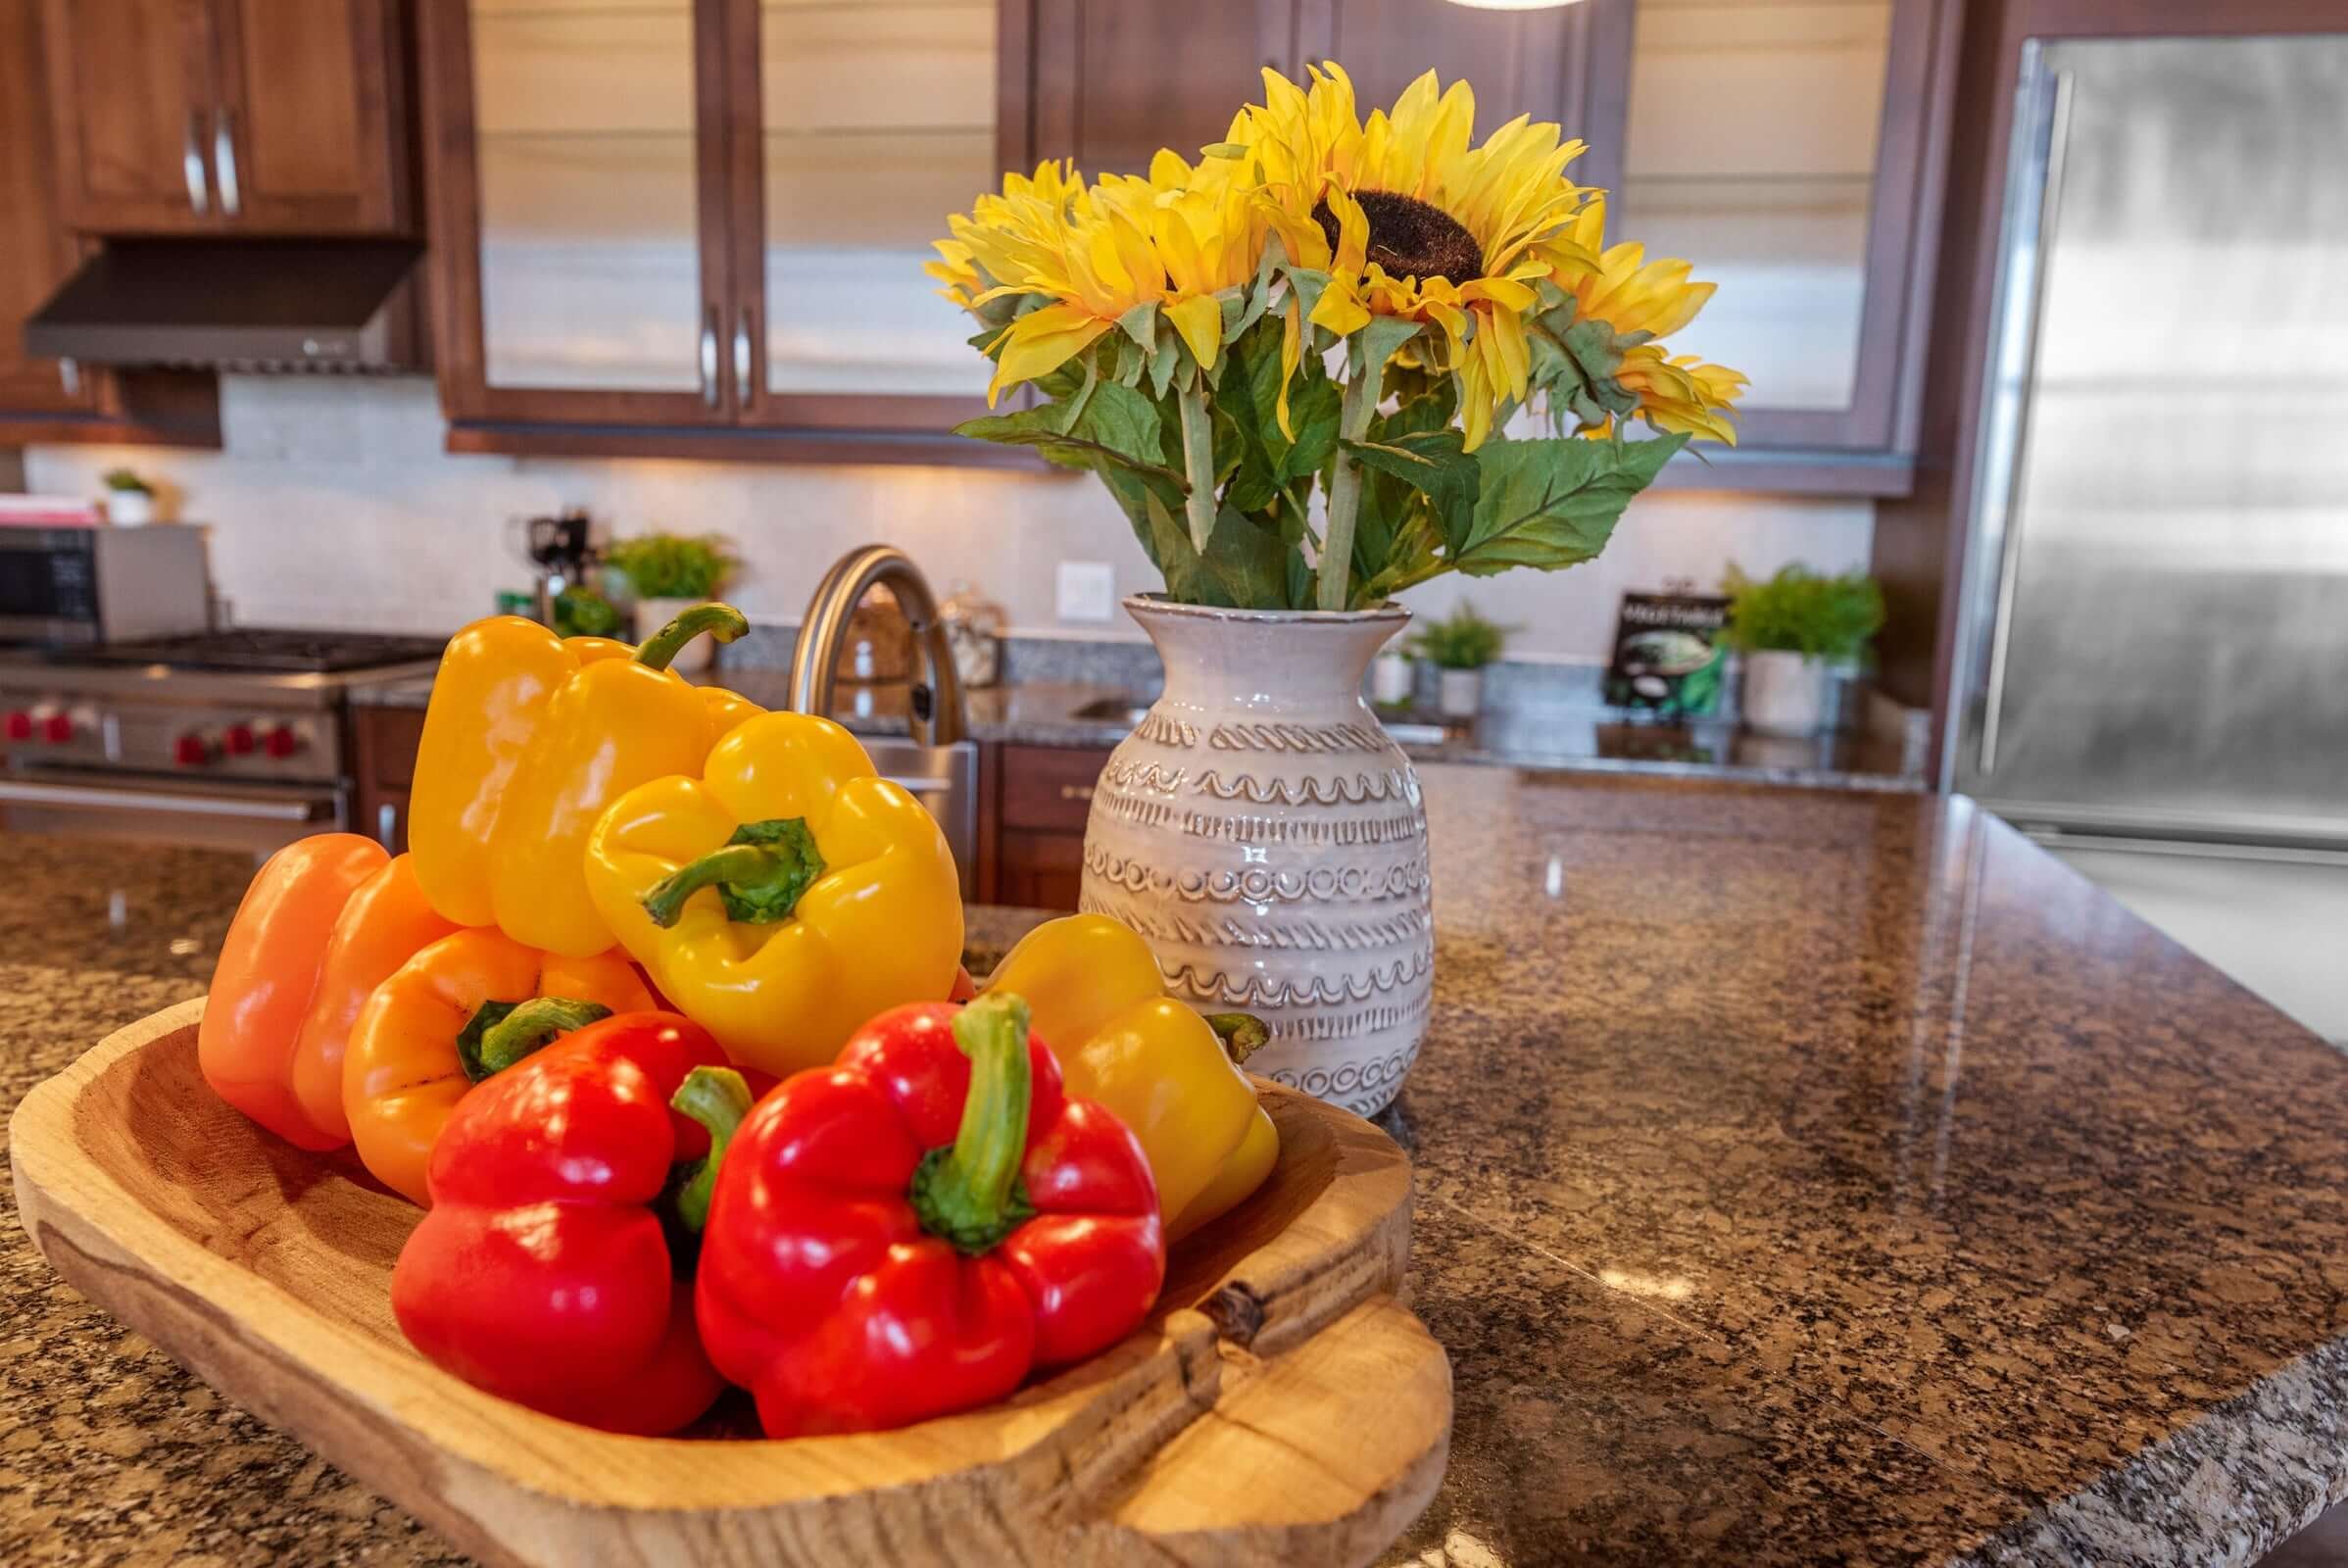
1109, 432
1248, 562
1553, 502
1375, 344
1162, 361
1130, 362
1169, 543
1141, 324
1433, 463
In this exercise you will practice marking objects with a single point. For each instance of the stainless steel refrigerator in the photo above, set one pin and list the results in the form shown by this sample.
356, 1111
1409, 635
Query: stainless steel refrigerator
2154, 664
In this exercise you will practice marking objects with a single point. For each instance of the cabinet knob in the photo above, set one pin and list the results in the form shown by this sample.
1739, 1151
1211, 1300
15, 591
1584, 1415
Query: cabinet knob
1076, 792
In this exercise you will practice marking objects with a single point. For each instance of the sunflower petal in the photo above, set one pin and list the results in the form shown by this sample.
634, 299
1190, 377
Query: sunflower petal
1041, 342
1200, 320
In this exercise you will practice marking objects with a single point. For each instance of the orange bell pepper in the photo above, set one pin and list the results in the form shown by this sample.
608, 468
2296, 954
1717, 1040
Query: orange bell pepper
267, 977
387, 923
417, 1046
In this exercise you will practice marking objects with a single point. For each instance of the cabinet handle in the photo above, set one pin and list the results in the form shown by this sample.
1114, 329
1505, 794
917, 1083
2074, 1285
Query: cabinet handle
1076, 792
223, 162
742, 388
69, 374
191, 165
387, 826
709, 356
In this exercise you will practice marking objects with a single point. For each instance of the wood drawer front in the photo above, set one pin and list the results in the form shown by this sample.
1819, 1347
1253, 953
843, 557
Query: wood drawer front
1050, 787
387, 741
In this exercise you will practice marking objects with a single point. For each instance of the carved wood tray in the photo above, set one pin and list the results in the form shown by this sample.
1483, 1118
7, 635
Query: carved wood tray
1280, 1407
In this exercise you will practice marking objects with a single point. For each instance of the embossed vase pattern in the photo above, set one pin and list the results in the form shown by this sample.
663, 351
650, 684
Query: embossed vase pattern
1266, 835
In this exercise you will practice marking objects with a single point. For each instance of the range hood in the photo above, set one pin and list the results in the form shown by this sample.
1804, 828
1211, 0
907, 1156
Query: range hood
244, 304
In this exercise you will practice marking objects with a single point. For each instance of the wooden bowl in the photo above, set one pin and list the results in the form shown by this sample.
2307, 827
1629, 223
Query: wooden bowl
1278, 1408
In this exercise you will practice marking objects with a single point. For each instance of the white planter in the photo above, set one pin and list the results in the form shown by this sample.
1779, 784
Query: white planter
697, 655
1459, 693
1785, 693
130, 509
1265, 835
1392, 678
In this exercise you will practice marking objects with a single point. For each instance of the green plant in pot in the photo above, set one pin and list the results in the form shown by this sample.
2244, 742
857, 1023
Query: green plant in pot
129, 499
1459, 646
666, 574
1797, 630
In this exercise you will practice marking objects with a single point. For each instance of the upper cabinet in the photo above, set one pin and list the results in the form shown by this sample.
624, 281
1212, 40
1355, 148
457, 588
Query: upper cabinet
266, 117
697, 226
50, 400
1794, 149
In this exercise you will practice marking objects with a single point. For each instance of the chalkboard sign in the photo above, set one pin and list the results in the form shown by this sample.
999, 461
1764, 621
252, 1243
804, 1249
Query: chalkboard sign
1668, 654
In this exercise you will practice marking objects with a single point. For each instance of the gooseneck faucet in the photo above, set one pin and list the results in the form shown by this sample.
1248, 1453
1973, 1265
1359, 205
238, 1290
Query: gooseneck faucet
936, 705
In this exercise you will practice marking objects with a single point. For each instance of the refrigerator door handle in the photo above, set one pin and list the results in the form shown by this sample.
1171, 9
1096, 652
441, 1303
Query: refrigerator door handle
2030, 289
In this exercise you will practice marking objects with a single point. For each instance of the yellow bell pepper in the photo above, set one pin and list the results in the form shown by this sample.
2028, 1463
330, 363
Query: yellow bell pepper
782, 897
1097, 999
528, 737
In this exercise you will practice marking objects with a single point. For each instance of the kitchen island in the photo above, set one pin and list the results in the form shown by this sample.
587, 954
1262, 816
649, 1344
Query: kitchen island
1803, 1177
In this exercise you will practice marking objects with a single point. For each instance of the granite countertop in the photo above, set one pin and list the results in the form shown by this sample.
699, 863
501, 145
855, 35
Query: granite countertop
1548, 736
1803, 1177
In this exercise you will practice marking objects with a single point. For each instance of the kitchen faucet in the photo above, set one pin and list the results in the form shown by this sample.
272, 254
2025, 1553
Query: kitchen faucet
935, 704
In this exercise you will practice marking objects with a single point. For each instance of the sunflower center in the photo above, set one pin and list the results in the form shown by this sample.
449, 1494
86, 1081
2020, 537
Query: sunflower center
1410, 239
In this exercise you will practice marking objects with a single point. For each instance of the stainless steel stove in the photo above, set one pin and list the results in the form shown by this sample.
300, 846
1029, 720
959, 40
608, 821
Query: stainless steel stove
238, 738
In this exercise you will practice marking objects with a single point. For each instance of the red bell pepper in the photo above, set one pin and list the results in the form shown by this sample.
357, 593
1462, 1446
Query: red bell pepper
566, 1191
914, 1229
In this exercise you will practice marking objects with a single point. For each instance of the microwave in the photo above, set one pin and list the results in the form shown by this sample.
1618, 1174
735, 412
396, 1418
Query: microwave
72, 586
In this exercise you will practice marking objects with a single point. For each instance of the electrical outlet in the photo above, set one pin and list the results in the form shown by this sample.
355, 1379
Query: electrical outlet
1088, 590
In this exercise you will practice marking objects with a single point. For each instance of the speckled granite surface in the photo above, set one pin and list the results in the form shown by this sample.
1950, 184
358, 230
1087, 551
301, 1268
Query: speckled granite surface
1803, 1178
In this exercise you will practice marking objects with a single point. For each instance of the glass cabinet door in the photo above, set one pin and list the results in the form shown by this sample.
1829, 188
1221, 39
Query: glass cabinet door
1755, 146
876, 118
590, 144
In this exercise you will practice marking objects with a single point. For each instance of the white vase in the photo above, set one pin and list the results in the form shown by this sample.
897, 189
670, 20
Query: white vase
1784, 693
1265, 835
1459, 693
130, 509
697, 655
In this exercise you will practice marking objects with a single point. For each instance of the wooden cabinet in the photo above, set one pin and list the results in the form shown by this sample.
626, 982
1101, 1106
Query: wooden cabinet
1034, 806
1109, 82
384, 741
46, 400
697, 226
1796, 149
267, 117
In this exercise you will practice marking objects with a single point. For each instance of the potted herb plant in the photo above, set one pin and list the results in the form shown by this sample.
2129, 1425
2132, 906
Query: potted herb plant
129, 499
1459, 646
668, 574
1796, 630
1293, 357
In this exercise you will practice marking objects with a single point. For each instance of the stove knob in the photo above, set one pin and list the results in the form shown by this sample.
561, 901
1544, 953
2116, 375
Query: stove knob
191, 749
18, 726
237, 740
57, 729
281, 741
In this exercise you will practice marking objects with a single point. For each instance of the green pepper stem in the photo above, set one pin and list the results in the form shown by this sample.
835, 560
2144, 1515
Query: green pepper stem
968, 1191
722, 621
718, 1099
515, 1033
759, 875
1242, 1034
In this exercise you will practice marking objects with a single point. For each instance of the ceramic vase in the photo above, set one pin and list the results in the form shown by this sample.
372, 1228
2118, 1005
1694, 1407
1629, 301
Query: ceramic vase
1784, 693
1264, 833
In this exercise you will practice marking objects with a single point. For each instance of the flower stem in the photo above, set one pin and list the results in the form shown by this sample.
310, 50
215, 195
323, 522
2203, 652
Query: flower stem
1198, 461
1344, 486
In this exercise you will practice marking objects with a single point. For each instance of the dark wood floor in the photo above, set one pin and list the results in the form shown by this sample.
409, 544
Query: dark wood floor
2321, 1545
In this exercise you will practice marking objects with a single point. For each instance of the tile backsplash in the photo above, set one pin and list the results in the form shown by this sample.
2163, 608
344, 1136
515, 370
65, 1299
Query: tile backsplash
333, 502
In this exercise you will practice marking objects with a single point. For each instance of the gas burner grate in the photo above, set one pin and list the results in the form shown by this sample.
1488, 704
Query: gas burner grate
269, 650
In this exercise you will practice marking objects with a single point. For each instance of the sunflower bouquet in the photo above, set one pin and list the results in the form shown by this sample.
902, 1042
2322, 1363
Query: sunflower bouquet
1359, 306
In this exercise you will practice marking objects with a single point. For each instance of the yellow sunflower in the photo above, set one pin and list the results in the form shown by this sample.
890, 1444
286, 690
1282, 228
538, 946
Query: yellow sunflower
1618, 286
1410, 221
